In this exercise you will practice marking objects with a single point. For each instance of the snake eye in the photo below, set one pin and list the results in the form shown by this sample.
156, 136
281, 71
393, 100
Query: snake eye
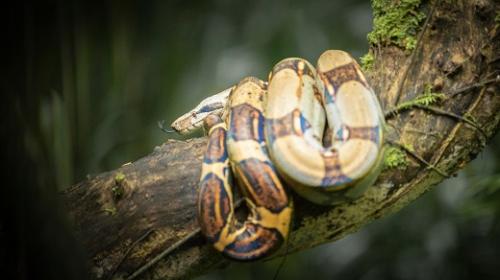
193, 114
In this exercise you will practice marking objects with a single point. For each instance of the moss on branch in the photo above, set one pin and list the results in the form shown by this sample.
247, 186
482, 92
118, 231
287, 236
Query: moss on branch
396, 23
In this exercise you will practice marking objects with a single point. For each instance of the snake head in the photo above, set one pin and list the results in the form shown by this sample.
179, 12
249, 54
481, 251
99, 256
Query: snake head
193, 120
186, 123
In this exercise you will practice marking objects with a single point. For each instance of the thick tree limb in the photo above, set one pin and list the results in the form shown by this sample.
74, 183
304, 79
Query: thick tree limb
126, 217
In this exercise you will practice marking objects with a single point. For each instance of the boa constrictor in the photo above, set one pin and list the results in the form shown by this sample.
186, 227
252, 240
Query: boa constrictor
269, 133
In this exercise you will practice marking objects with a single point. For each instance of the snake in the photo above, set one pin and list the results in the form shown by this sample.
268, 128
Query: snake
317, 130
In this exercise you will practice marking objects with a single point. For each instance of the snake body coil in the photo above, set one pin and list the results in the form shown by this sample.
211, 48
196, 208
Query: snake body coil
267, 225
282, 124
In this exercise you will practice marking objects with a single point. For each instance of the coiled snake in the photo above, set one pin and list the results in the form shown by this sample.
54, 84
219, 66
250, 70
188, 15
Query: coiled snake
269, 133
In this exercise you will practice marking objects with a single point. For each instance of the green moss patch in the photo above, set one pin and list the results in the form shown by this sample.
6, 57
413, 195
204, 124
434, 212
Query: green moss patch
395, 158
367, 61
396, 22
118, 189
119, 177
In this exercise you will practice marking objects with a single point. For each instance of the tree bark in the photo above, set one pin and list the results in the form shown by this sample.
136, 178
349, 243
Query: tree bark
127, 217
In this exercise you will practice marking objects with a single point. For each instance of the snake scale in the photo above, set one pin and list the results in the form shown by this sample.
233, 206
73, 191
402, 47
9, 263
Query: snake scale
271, 134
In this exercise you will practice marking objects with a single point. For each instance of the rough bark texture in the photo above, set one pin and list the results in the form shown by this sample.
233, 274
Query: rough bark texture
155, 197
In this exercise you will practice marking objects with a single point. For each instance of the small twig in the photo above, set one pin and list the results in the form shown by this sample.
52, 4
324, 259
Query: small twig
435, 110
282, 263
453, 116
393, 112
142, 237
419, 158
476, 85
163, 254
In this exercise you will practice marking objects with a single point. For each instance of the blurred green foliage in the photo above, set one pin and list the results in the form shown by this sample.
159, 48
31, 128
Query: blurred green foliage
124, 66
100, 76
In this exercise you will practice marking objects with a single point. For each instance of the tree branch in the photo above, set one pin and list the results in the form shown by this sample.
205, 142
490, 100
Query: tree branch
127, 217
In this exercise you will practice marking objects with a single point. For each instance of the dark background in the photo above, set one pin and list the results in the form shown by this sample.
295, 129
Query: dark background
84, 84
